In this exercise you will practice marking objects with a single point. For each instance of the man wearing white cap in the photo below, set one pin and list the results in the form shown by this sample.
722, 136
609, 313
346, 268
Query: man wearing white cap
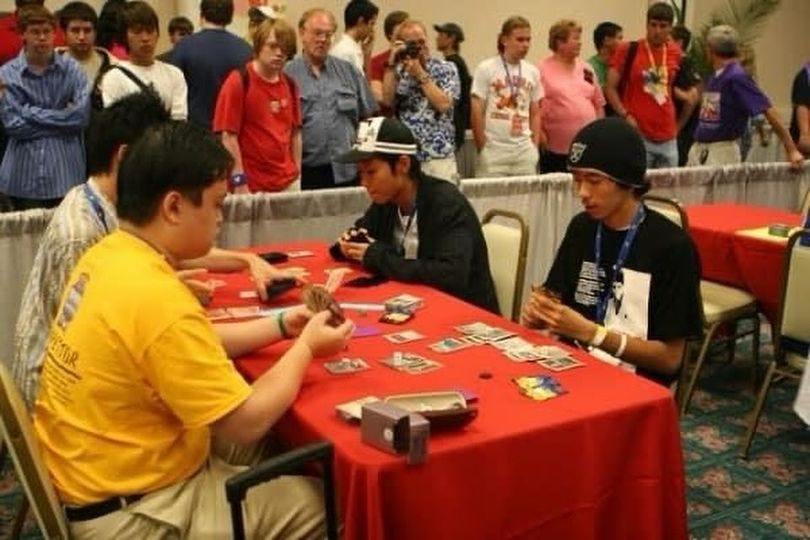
419, 228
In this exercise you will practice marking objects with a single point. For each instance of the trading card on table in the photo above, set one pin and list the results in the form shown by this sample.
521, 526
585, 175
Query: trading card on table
403, 337
403, 303
295, 254
318, 299
248, 294
449, 344
560, 363
346, 365
512, 343
296, 270
539, 387
523, 355
473, 328
494, 334
218, 314
395, 317
552, 351
242, 312
410, 363
472, 340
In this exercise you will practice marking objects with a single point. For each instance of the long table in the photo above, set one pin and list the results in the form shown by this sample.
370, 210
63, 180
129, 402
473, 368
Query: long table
602, 461
733, 249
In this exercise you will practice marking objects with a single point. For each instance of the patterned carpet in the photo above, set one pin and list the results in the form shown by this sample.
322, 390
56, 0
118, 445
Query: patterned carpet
728, 498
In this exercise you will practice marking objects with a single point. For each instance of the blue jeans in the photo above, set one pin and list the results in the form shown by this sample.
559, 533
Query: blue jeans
661, 154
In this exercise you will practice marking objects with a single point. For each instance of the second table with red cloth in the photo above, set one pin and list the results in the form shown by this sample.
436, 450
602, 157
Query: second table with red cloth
749, 263
601, 461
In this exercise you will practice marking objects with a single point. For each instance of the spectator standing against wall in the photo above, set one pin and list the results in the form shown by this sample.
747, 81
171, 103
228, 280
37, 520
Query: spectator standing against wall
178, 28
573, 96
378, 63
354, 46
79, 22
44, 108
505, 110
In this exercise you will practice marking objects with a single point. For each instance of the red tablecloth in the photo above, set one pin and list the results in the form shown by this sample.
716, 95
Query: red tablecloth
752, 264
602, 461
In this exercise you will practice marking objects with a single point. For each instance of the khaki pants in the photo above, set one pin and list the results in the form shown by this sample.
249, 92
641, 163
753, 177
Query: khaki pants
288, 507
442, 168
714, 153
494, 161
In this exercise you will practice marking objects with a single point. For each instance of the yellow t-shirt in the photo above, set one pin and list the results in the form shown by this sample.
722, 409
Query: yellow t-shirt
133, 375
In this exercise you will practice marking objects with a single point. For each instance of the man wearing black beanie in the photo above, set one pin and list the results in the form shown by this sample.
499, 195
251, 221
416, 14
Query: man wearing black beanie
625, 280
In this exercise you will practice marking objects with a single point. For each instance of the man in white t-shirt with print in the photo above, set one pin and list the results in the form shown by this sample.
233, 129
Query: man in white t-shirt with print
505, 110
141, 23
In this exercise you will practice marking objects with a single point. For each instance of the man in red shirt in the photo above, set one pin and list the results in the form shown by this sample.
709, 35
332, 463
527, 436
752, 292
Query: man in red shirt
11, 39
642, 92
260, 121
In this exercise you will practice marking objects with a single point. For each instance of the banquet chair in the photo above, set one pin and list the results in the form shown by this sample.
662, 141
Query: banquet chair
721, 306
507, 246
237, 486
18, 434
791, 334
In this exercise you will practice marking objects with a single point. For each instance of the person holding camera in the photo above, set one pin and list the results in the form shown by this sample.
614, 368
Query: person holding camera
422, 90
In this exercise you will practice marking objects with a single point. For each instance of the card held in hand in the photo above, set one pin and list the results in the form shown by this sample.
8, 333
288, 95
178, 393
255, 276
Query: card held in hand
318, 299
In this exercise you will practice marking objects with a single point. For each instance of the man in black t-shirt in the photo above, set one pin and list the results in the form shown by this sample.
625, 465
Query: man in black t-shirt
800, 119
625, 279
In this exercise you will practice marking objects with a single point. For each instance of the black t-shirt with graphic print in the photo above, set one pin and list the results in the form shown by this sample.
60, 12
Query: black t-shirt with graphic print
656, 295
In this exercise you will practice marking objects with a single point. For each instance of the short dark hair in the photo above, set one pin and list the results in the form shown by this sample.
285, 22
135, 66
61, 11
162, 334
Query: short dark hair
111, 24
603, 31
219, 12
22, 3
34, 14
414, 171
392, 20
682, 33
181, 24
140, 14
359, 9
120, 123
77, 11
172, 156
661, 11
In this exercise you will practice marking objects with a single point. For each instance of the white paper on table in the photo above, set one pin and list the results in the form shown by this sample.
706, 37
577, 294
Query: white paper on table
802, 405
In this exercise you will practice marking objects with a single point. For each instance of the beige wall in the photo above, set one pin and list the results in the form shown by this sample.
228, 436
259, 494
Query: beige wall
783, 48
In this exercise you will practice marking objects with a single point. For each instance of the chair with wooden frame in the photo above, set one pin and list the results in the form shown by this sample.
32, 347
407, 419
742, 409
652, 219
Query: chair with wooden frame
507, 246
791, 333
721, 306
18, 434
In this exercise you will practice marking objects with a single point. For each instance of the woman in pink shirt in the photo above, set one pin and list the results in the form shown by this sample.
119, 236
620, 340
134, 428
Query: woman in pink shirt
573, 97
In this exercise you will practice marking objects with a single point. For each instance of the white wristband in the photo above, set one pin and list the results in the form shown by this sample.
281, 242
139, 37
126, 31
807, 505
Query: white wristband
599, 337
622, 346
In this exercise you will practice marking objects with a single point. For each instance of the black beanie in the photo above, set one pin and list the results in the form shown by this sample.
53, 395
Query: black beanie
610, 146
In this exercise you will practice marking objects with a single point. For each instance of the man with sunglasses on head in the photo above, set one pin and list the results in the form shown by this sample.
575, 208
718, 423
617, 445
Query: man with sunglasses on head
625, 279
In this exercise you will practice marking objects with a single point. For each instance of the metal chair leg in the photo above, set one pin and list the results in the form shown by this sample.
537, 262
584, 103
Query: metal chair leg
704, 349
757, 411
755, 344
19, 519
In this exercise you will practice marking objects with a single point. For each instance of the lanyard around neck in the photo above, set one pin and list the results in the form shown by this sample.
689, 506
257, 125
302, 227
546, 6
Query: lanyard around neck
513, 85
661, 70
638, 217
406, 227
95, 204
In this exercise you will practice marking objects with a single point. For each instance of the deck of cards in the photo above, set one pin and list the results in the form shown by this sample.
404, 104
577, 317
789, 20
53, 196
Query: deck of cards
412, 363
403, 303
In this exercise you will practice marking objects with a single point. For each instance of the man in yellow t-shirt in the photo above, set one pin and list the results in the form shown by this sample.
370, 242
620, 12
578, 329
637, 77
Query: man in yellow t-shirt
136, 379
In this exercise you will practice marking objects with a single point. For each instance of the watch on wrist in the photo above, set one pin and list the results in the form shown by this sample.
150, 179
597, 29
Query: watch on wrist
238, 179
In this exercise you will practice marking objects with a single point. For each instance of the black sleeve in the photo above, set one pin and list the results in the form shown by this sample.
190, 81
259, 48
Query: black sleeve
363, 222
675, 310
564, 272
686, 77
445, 257
800, 94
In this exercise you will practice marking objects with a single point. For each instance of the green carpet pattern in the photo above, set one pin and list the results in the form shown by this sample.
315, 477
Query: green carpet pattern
767, 496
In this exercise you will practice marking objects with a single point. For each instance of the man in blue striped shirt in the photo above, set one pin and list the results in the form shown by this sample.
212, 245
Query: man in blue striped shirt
44, 109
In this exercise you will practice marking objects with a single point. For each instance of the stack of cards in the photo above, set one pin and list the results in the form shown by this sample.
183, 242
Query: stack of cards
539, 387
346, 365
403, 303
483, 333
410, 363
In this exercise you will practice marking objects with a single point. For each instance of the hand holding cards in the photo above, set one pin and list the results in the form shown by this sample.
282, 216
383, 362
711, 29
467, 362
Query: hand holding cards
318, 299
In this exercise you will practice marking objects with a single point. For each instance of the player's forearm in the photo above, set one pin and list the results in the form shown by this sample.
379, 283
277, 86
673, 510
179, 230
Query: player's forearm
243, 337
652, 355
231, 143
